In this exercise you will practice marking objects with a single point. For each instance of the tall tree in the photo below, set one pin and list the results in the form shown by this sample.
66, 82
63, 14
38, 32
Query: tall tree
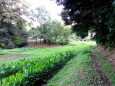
96, 16
41, 15
11, 22
51, 32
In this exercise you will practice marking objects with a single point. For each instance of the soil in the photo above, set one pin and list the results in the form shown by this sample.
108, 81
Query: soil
98, 69
33, 44
108, 54
15, 55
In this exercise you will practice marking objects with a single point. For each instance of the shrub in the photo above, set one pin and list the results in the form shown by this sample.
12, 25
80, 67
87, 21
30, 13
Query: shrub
5, 40
63, 41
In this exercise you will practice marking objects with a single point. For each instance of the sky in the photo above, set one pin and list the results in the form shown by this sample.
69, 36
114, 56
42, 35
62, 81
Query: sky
50, 5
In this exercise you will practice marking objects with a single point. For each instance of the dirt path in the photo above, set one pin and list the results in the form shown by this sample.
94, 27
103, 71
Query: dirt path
33, 44
108, 54
99, 70
15, 55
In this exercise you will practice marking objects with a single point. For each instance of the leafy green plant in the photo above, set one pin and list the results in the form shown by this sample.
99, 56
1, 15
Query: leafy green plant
32, 70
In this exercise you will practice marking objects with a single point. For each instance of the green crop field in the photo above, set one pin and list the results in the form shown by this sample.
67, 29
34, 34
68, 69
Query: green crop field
44, 61
38, 51
69, 65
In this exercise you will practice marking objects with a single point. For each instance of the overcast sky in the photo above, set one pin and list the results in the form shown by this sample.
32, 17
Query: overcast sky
51, 6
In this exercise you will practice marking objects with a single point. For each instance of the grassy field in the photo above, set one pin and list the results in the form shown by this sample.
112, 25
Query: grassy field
107, 68
76, 73
39, 51
45, 61
80, 72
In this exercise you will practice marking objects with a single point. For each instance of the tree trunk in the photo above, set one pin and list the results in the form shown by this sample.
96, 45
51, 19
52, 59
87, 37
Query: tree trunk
40, 40
36, 41
49, 42
45, 41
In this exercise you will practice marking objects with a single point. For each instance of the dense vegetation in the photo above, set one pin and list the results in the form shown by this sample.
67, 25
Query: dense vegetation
34, 66
37, 51
94, 16
16, 14
12, 33
26, 71
51, 31
79, 71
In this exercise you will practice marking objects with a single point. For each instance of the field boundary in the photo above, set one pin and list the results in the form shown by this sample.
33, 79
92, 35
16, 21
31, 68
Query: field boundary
97, 66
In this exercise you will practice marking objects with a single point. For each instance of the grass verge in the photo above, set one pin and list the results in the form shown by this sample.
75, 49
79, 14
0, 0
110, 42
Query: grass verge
107, 68
78, 72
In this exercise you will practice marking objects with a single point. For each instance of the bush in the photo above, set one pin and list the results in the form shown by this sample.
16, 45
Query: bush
26, 72
5, 40
11, 37
63, 41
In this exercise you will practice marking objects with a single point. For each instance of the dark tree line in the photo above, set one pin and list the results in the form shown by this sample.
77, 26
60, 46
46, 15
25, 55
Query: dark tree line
96, 16
12, 32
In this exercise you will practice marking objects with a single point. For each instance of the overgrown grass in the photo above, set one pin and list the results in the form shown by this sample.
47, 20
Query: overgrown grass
1, 51
54, 50
39, 51
21, 50
29, 70
77, 72
107, 68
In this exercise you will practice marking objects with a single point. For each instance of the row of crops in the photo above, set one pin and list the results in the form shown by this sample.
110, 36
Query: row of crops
32, 71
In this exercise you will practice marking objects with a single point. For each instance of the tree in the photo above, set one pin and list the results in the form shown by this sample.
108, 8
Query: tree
51, 32
11, 23
96, 16
41, 15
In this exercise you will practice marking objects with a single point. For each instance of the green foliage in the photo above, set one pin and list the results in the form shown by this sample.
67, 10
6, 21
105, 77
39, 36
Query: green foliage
1, 51
51, 32
6, 41
98, 14
76, 72
36, 51
79, 71
107, 68
29, 71
63, 37
11, 22
20, 40
41, 15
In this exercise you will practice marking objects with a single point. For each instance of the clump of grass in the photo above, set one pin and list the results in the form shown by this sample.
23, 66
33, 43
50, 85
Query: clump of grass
1, 51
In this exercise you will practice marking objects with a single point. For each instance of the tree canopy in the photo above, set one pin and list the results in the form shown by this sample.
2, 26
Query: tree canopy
51, 32
96, 16
12, 33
